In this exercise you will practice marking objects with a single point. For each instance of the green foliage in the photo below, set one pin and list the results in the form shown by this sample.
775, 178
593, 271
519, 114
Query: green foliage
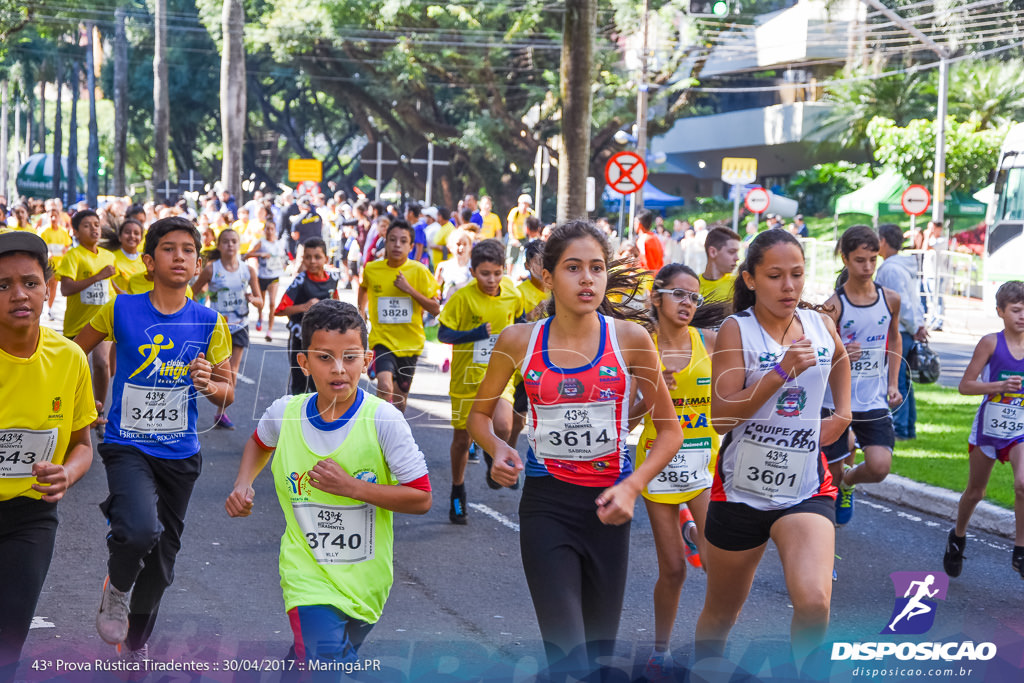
989, 92
971, 154
818, 187
855, 102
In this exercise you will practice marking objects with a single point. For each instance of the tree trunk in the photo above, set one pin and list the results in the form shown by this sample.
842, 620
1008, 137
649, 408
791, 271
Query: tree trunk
232, 96
93, 181
58, 129
73, 142
4, 162
577, 57
42, 117
120, 101
161, 103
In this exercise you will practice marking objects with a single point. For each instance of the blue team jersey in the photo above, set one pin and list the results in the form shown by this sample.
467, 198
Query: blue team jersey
154, 401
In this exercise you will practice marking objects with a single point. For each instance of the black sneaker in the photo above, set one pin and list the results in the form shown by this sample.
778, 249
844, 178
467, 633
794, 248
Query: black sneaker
490, 461
953, 560
457, 511
474, 456
1018, 563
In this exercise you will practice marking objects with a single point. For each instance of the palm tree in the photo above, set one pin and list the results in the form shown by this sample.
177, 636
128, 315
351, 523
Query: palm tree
902, 97
120, 99
232, 95
161, 102
578, 31
990, 92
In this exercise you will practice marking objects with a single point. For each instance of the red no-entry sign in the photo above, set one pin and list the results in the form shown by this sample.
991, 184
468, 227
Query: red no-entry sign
625, 172
757, 200
915, 200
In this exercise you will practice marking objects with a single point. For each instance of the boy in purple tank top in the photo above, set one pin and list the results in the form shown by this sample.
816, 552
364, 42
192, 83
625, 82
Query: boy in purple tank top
998, 430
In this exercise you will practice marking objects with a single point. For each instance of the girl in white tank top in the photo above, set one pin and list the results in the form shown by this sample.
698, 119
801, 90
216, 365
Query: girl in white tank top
772, 363
228, 278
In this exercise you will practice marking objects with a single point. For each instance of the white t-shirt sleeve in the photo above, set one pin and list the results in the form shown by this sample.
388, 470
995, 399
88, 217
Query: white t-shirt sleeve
268, 430
403, 455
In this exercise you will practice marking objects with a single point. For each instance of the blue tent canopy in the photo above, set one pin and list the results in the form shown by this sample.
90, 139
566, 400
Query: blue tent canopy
653, 198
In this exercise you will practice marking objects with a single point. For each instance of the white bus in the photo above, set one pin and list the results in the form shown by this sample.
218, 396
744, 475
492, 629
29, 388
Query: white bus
1004, 239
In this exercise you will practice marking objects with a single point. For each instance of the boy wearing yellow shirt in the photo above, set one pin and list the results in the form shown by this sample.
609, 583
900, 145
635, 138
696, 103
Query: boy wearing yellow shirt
397, 291
491, 226
535, 302
471, 322
46, 408
84, 275
718, 280
58, 241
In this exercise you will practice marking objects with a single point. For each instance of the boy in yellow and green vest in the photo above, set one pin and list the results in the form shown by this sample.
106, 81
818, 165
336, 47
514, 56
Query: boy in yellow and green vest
343, 462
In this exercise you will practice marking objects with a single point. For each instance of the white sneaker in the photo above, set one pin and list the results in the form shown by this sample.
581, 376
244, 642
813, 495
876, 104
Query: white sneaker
112, 618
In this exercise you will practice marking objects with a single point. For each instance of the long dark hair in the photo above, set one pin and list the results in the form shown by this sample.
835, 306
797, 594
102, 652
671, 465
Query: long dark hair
113, 242
214, 254
744, 297
622, 276
708, 315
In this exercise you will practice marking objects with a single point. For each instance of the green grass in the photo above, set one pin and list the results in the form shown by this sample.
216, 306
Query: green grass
938, 456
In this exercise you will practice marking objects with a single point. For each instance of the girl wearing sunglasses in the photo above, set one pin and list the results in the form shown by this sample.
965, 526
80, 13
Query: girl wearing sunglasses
685, 359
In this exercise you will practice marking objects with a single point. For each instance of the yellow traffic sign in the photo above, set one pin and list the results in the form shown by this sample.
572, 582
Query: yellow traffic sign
301, 170
739, 170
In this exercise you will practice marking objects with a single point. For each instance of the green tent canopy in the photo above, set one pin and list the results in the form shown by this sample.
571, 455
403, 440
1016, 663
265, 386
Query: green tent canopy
881, 197
35, 177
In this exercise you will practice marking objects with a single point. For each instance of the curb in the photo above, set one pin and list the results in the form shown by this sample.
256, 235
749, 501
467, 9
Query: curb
942, 503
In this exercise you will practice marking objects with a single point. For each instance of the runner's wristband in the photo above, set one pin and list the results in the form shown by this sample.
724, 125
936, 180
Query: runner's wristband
781, 373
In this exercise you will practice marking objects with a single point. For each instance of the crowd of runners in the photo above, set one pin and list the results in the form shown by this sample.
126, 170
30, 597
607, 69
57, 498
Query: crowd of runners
760, 412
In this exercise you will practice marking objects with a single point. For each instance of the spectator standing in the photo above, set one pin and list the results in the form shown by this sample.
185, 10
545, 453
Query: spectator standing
899, 273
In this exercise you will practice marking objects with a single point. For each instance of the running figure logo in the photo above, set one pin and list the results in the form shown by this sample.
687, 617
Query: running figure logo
916, 595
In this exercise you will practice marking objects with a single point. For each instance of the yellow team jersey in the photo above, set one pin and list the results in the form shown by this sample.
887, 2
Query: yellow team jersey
441, 242
491, 227
643, 293
468, 309
691, 470
140, 284
78, 264
126, 268
516, 222
43, 399
717, 290
58, 240
533, 296
396, 319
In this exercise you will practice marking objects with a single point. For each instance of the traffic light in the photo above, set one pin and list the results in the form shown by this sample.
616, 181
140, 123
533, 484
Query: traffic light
709, 8
102, 163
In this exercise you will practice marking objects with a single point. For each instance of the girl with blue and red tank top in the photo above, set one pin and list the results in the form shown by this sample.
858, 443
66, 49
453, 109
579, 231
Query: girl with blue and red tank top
773, 360
995, 372
580, 370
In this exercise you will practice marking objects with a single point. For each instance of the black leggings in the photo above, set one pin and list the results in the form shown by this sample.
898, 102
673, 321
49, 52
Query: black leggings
576, 570
28, 528
146, 510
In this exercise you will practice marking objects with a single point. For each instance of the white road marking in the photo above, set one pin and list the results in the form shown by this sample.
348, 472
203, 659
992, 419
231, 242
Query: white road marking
495, 515
42, 622
929, 523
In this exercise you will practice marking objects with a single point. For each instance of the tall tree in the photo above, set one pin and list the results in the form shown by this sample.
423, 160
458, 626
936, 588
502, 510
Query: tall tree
58, 127
161, 99
76, 80
120, 100
232, 95
93, 182
575, 80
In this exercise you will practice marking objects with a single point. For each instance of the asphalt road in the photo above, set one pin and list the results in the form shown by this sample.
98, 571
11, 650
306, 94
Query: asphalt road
460, 609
